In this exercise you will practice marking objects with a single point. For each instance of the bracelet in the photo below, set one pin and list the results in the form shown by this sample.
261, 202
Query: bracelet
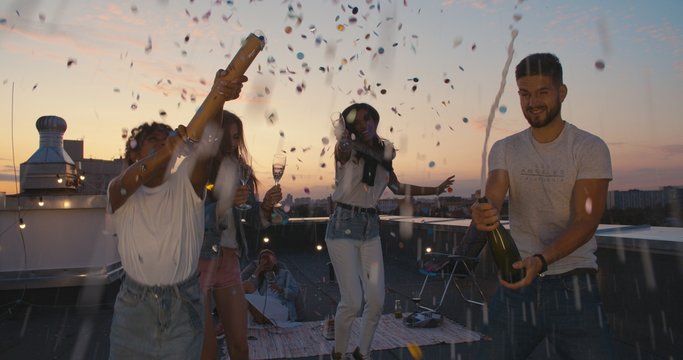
544, 264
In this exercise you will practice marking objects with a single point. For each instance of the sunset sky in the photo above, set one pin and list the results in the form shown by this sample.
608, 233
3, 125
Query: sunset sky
431, 68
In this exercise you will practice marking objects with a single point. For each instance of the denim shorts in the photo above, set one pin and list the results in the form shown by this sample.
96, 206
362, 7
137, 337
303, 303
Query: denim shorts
220, 272
352, 224
157, 322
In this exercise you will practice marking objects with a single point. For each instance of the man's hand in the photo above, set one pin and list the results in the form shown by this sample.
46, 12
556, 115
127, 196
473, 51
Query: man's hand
485, 215
532, 266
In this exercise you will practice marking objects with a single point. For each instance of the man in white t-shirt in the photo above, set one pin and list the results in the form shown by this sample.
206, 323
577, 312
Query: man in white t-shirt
157, 208
557, 176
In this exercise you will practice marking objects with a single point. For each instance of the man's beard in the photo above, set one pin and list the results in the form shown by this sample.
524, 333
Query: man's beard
547, 120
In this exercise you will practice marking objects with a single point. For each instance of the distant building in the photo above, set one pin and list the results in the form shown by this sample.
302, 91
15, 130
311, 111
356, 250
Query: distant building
640, 199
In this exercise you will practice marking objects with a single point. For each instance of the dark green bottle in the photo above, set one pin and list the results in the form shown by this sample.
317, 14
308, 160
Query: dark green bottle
504, 252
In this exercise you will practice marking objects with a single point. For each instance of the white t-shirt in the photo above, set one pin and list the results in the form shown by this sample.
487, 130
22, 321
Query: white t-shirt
160, 230
349, 189
542, 178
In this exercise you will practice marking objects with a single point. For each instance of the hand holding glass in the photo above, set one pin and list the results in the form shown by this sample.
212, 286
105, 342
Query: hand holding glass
279, 163
245, 176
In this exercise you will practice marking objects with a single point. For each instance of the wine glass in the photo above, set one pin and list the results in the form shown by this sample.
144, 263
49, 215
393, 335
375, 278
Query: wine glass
339, 125
245, 176
279, 163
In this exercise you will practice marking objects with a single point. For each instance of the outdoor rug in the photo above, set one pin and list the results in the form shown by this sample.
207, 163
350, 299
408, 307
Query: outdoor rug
307, 339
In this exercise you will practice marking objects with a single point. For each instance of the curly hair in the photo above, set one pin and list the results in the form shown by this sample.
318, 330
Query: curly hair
138, 135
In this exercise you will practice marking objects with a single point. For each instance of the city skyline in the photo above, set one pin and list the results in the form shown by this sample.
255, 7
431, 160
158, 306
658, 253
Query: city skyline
432, 69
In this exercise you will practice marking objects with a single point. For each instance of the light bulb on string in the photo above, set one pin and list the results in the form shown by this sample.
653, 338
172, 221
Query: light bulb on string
22, 225
428, 250
266, 239
82, 177
59, 179
40, 201
319, 247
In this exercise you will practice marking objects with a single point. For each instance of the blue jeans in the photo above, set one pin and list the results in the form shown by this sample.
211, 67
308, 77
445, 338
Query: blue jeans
157, 322
564, 308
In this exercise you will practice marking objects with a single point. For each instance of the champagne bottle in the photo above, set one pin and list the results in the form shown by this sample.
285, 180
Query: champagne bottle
504, 252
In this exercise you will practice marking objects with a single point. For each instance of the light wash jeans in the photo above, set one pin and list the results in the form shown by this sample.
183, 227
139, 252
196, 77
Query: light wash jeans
565, 309
359, 269
157, 322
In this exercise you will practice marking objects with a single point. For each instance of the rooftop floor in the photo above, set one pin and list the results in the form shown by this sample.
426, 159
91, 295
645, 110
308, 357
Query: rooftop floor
640, 288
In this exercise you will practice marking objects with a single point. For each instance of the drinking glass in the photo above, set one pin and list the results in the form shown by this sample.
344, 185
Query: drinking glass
279, 163
245, 176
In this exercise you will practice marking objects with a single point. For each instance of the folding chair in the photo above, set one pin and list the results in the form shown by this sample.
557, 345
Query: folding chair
460, 266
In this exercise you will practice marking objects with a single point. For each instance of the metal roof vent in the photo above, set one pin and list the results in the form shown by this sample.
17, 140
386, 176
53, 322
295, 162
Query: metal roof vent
50, 168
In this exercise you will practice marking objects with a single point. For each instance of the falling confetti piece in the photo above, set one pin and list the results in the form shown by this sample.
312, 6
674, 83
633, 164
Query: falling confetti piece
325, 140
503, 109
282, 133
34, 87
465, 120
41, 17
288, 29
134, 9
162, 113
70, 62
134, 106
187, 37
307, 190
432, 164
148, 48
437, 126
600, 65
300, 55
340, 27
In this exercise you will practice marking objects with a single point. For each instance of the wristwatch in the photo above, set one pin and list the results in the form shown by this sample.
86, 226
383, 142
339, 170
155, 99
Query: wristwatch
544, 264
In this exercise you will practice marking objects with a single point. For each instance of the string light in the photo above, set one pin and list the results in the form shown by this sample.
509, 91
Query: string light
40, 201
59, 179
22, 225
319, 247
82, 177
266, 239
428, 250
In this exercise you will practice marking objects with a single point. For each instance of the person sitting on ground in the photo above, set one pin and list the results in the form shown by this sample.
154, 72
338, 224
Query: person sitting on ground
267, 277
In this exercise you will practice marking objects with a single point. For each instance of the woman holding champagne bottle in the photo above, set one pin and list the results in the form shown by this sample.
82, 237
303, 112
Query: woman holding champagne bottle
362, 173
231, 183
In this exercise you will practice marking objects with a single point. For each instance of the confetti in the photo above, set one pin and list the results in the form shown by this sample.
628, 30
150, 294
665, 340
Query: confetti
503, 109
70, 61
600, 65
432, 164
148, 48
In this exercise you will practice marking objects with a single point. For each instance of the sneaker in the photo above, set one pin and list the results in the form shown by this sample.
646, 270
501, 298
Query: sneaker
336, 355
358, 356
220, 332
328, 329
